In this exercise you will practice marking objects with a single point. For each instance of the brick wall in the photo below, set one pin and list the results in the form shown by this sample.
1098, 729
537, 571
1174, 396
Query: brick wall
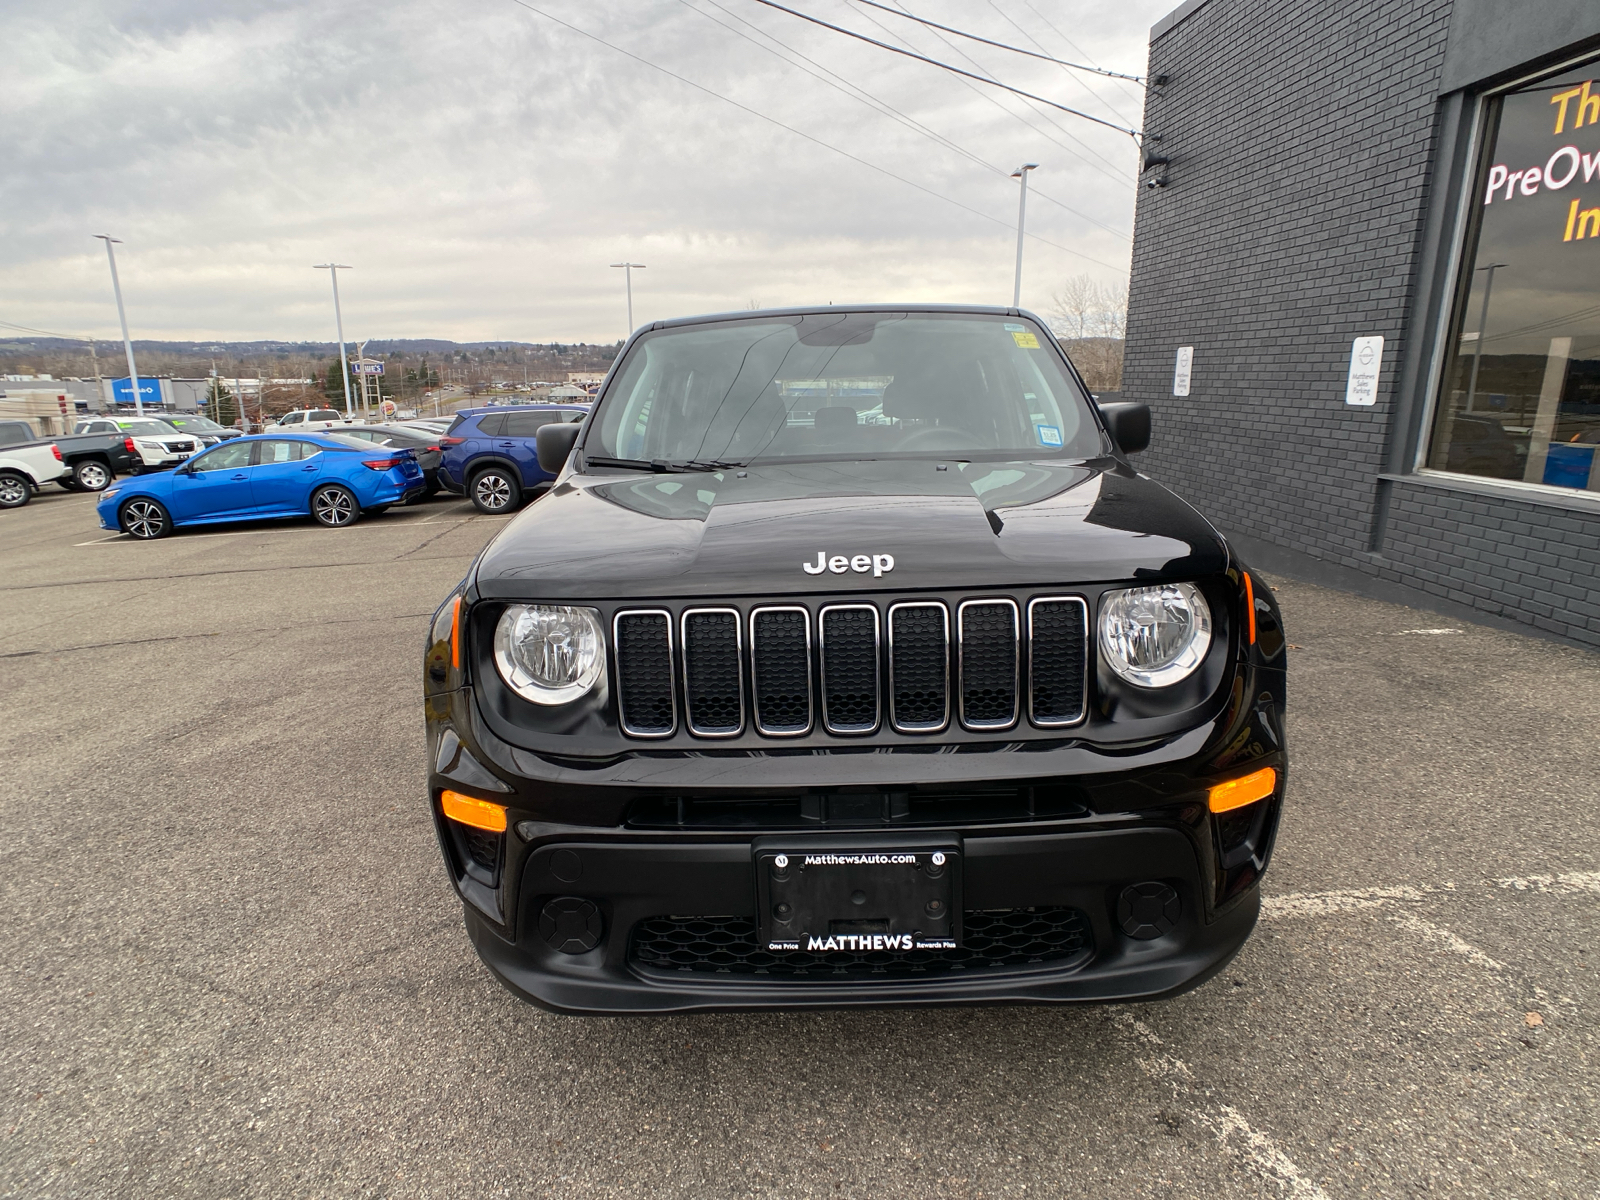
1300, 137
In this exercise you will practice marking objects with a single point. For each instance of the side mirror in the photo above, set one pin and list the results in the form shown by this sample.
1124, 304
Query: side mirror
1128, 424
554, 444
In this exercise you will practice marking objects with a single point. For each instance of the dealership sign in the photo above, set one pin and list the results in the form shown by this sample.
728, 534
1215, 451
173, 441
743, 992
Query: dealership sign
149, 391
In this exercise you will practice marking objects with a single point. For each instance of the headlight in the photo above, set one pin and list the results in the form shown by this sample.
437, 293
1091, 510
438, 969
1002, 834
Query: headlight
1155, 636
549, 653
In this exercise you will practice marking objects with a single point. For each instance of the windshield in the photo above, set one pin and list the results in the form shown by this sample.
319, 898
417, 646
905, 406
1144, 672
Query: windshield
844, 385
147, 428
200, 423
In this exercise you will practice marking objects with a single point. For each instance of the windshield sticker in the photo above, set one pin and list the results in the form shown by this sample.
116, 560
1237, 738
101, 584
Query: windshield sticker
1010, 328
1049, 435
1025, 339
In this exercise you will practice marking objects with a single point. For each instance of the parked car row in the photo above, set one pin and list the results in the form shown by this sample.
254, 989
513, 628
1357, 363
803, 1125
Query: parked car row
488, 455
332, 477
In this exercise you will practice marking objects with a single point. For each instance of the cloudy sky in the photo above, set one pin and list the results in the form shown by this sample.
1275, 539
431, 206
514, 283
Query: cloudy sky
480, 164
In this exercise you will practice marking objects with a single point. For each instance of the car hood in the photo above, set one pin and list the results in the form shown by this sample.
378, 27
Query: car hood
954, 525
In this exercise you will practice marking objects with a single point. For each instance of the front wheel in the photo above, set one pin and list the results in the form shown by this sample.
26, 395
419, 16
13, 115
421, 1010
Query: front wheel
494, 491
92, 476
334, 506
145, 519
15, 489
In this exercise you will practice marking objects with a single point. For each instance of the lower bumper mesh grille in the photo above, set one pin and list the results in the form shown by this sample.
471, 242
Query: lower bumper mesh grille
993, 940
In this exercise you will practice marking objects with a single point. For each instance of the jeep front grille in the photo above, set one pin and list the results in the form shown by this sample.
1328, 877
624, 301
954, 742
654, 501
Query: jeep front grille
645, 693
713, 677
1058, 654
851, 668
780, 670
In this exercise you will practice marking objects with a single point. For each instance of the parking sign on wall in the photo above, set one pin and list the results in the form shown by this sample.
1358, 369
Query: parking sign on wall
1366, 358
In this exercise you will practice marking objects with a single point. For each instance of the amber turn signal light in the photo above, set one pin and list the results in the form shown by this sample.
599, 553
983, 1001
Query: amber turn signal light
455, 637
469, 810
1249, 608
1236, 793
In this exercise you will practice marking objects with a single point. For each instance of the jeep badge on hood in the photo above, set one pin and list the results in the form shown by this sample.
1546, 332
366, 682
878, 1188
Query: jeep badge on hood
839, 564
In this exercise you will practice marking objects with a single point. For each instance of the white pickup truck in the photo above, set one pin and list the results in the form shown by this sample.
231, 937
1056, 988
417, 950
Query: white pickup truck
23, 469
304, 420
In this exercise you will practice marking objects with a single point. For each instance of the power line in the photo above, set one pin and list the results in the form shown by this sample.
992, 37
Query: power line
1007, 17
1000, 45
1133, 133
1072, 45
800, 132
67, 337
1084, 150
879, 105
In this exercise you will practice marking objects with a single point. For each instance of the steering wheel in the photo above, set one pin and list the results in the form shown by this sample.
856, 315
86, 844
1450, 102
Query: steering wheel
940, 437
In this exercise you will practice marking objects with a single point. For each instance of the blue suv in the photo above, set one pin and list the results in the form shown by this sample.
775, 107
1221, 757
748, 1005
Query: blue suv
491, 456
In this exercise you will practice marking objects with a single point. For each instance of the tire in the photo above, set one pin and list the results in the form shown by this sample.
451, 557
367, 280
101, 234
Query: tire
16, 489
92, 475
494, 491
145, 519
334, 507
69, 484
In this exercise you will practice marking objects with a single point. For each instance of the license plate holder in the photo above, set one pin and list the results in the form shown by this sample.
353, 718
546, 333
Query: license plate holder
858, 896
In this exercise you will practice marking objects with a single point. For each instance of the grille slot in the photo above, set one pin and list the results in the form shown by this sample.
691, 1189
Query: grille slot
780, 670
713, 684
849, 668
919, 667
644, 673
989, 656
994, 941
1058, 638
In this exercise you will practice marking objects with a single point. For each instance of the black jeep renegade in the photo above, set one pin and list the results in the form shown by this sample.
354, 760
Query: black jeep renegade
849, 662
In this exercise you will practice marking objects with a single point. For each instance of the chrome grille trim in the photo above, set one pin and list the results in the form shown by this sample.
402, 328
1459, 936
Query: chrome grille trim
672, 681
828, 722
688, 668
1083, 699
1016, 661
894, 716
755, 673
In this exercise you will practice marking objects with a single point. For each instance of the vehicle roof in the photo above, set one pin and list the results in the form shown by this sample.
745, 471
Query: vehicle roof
494, 408
984, 310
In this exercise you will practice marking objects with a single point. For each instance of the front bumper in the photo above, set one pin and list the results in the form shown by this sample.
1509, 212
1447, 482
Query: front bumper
1054, 827
1082, 871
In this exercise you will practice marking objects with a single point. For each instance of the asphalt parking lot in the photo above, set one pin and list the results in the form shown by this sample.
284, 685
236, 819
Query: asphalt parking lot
232, 965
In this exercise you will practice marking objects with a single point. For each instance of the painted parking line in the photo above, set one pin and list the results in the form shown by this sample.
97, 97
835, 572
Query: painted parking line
1254, 1150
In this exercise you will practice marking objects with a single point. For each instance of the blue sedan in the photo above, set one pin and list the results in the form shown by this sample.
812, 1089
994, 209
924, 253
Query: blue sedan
332, 479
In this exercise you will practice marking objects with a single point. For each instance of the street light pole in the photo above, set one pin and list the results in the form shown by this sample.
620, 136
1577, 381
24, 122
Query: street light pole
333, 270
1483, 328
628, 269
127, 342
1022, 210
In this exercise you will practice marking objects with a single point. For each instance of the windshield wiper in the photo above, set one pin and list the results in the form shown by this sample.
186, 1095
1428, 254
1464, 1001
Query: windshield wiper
661, 466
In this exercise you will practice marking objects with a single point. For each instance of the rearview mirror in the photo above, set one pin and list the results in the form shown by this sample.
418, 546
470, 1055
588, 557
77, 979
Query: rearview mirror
1128, 424
554, 444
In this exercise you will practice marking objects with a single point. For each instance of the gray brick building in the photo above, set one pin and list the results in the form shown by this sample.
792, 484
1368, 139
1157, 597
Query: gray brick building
1424, 171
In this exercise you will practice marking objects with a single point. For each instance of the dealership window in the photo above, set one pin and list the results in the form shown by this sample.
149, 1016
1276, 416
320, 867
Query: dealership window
1520, 394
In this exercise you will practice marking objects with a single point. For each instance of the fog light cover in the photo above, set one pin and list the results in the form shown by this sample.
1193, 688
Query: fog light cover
1155, 636
549, 653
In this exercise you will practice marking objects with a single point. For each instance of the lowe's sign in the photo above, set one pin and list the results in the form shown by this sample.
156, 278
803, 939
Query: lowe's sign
149, 390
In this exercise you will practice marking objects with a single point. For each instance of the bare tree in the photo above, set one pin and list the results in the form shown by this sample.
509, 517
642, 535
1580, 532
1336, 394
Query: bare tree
1091, 320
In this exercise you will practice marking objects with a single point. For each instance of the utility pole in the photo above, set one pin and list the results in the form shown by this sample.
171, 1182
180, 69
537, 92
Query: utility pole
338, 320
98, 386
1483, 329
127, 342
628, 269
1022, 211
